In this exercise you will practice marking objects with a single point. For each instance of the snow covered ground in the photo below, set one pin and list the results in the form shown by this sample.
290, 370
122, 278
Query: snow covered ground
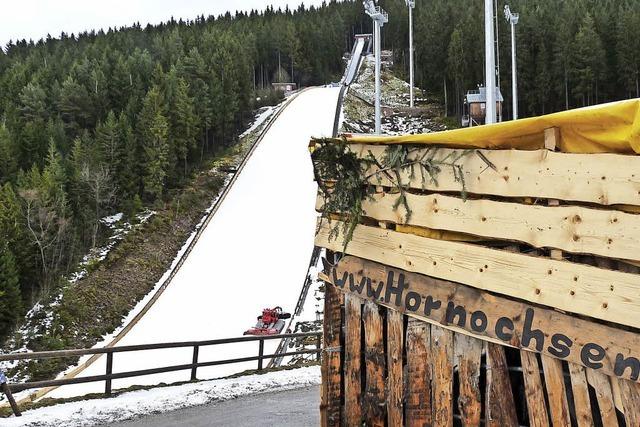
263, 114
132, 404
253, 254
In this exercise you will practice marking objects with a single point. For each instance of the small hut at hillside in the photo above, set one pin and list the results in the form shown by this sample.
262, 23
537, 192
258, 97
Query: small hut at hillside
475, 102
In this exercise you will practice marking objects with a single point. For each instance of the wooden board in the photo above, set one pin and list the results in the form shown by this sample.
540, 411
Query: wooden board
581, 400
554, 380
500, 410
352, 355
395, 395
536, 407
490, 317
468, 352
418, 379
605, 179
571, 228
604, 294
330, 407
442, 354
374, 396
630, 394
602, 387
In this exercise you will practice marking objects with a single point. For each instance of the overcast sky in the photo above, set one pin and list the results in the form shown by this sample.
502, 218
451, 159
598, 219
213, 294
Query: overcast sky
34, 19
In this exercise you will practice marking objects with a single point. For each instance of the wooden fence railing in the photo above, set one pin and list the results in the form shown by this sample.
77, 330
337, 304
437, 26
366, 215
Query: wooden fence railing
109, 375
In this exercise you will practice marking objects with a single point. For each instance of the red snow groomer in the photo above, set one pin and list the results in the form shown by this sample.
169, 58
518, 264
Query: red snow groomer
270, 323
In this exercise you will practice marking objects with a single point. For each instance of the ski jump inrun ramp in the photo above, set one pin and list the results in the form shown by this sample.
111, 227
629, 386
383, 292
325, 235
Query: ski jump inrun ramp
252, 254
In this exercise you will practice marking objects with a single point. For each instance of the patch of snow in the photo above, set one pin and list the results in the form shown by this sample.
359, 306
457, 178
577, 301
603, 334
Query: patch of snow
145, 215
138, 403
263, 114
108, 220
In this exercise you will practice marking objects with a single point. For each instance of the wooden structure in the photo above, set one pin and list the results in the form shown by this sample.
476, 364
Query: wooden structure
515, 304
285, 87
474, 106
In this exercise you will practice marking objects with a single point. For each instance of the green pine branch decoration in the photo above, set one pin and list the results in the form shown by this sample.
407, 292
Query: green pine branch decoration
345, 180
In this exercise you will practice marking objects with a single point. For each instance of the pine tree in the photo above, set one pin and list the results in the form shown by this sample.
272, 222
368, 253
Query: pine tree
542, 84
54, 179
109, 141
588, 62
196, 73
456, 65
628, 50
10, 301
119, 84
8, 166
33, 103
153, 129
13, 232
128, 177
184, 122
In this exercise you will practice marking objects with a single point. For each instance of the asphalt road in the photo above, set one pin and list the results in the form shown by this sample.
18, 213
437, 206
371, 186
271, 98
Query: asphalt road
297, 408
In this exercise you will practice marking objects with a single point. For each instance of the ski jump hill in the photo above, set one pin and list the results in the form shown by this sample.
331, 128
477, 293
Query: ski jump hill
252, 252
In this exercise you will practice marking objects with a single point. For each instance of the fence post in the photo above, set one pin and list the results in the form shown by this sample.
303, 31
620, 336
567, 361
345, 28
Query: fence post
194, 361
107, 382
318, 346
7, 391
260, 353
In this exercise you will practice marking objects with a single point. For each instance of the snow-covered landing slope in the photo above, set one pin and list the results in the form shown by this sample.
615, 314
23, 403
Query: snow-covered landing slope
253, 254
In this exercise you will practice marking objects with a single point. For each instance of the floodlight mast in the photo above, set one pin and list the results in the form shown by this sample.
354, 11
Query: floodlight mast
379, 17
490, 64
411, 4
513, 18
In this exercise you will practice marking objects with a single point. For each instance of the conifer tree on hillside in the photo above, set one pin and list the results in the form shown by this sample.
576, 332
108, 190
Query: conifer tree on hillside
456, 65
588, 62
183, 122
128, 175
10, 300
109, 141
154, 132
8, 163
628, 46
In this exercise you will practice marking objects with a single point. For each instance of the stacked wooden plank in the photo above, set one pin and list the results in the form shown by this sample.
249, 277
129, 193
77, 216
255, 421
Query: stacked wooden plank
514, 300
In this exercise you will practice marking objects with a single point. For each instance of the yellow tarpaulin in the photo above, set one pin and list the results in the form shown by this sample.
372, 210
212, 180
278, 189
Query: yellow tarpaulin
605, 128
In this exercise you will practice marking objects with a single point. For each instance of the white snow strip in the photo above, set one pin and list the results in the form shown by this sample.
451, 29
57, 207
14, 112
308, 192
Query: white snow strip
108, 220
137, 403
264, 114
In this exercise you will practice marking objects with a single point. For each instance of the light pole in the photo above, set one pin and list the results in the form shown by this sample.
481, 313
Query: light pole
512, 18
490, 64
411, 4
379, 17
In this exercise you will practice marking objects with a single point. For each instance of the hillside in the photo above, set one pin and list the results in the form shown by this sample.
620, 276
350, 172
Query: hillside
397, 117
95, 299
